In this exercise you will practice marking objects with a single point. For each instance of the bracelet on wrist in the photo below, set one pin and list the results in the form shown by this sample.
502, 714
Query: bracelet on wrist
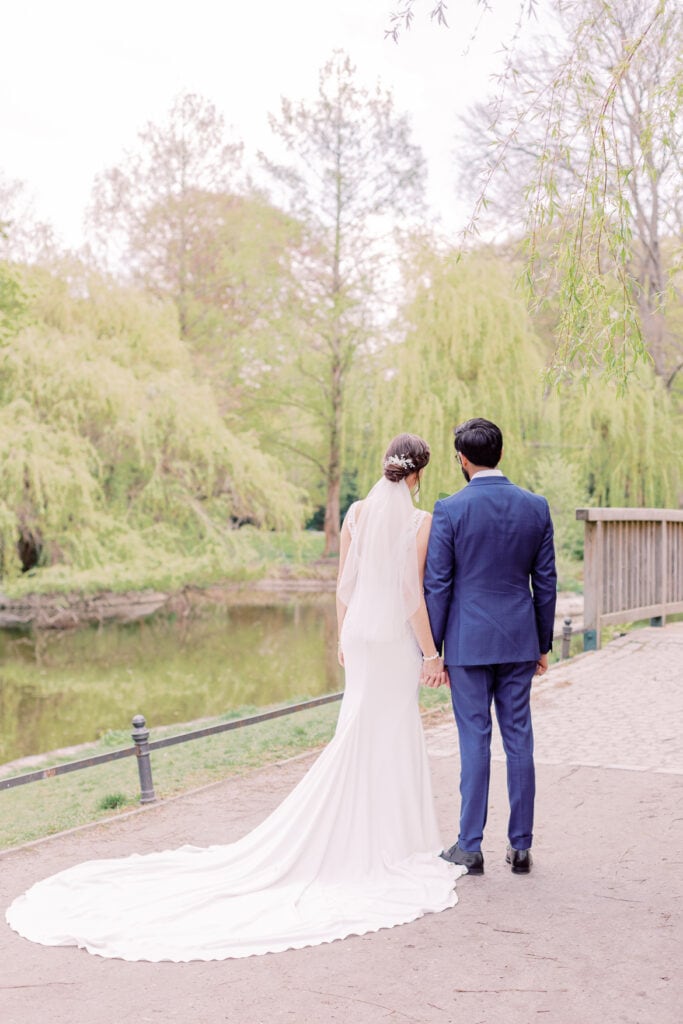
432, 657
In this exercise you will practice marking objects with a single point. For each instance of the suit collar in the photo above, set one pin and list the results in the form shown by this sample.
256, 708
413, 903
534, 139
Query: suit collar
485, 481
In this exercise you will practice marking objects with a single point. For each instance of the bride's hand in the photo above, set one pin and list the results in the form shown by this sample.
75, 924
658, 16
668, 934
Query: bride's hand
436, 681
340, 655
432, 672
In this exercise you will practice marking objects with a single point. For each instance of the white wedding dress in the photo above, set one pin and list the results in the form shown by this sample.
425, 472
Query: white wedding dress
353, 848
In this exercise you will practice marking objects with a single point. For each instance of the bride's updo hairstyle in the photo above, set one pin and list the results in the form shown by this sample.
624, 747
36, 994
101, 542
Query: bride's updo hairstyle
406, 454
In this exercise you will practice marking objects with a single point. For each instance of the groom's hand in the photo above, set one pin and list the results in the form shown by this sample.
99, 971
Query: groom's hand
444, 679
542, 665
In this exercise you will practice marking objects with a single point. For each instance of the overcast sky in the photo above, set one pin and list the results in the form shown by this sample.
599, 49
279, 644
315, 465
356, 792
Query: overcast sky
80, 78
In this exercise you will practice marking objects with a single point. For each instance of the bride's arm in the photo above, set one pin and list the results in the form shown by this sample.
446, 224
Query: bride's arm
344, 544
433, 671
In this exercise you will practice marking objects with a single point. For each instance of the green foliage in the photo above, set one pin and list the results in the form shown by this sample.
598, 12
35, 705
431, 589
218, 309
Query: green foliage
469, 350
560, 480
628, 444
112, 801
402, 18
578, 153
223, 256
163, 561
351, 171
144, 207
138, 429
111, 450
619, 124
218, 252
12, 302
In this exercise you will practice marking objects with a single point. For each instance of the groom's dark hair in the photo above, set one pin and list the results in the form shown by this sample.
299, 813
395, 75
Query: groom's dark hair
480, 441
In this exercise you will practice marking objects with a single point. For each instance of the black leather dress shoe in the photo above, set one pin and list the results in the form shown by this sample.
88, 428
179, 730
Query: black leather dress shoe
520, 861
473, 860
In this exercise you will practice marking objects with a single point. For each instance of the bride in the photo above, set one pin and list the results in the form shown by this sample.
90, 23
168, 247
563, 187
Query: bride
355, 846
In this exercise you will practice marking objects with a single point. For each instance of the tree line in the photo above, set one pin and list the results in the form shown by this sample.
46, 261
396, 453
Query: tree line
231, 351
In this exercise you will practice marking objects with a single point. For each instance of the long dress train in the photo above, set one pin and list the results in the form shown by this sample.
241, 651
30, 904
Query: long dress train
353, 848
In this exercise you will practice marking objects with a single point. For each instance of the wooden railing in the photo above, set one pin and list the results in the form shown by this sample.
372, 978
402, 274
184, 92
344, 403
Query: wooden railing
633, 567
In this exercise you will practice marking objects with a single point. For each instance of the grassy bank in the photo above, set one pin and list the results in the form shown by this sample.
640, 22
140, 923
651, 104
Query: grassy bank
42, 808
245, 554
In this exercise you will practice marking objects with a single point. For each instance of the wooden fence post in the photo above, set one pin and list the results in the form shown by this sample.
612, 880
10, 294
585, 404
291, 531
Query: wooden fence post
592, 559
663, 567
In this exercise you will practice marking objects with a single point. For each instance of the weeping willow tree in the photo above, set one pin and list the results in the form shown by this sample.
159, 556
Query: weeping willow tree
468, 349
627, 445
607, 448
578, 152
110, 449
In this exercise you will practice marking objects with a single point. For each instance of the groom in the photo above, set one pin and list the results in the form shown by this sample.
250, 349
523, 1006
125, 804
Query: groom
490, 587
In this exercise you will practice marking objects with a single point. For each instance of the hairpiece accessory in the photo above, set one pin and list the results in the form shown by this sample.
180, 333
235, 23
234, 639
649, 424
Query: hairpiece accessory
399, 460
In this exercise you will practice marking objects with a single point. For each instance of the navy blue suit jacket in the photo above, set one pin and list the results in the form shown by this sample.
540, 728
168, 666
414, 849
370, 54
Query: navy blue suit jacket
490, 580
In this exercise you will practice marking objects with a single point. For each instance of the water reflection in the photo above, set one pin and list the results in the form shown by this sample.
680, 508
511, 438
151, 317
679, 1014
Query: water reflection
63, 688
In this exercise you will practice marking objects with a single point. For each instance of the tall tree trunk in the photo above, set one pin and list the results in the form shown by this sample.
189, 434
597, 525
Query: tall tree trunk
332, 504
332, 531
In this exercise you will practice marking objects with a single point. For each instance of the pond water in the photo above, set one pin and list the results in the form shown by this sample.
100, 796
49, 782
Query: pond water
59, 688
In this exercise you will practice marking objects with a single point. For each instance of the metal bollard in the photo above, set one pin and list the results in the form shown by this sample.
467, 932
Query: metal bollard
566, 636
140, 736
